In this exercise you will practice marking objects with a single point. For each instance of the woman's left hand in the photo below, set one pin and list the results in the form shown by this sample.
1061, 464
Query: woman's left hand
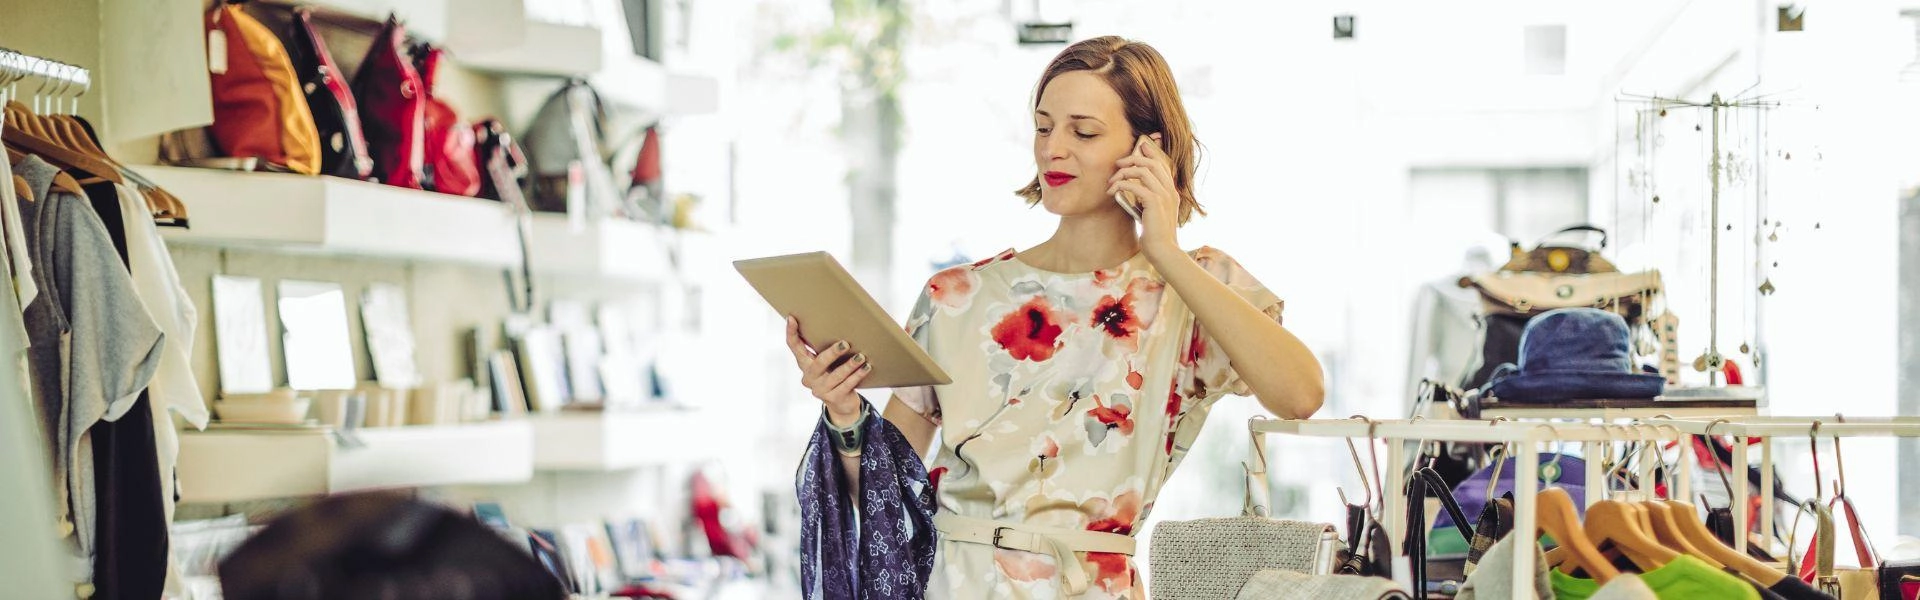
1147, 175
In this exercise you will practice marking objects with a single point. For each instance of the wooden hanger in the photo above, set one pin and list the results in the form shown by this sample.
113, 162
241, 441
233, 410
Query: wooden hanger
1611, 521
38, 142
21, 189
1554, 511
1688, 522
1666, 528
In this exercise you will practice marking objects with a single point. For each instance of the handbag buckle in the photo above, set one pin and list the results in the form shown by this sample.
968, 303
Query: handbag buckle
999, 532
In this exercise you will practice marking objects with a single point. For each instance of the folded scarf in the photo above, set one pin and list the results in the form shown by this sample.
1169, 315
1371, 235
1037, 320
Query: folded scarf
885, 552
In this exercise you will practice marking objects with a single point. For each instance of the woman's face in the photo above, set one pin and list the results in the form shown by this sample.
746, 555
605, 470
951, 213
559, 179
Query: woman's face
1079, 130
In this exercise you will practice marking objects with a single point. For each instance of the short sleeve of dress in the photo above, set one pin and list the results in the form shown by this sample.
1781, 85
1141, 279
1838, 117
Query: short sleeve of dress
1205, 373
922, 399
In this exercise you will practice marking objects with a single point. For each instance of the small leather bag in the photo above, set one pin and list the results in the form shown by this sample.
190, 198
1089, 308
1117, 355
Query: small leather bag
1846, 583
1496, 520
259, 110
567, 151
343, 145
393, 104
1900, 580
503, 165
450, 160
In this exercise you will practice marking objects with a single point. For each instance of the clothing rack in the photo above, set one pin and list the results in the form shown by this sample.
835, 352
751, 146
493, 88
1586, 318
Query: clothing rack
15, 66
1768, 428
1526, 438
69, 82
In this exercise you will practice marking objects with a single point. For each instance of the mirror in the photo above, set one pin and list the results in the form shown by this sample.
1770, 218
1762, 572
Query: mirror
313, 316
240, 335
582, 348
383, 313
543, 368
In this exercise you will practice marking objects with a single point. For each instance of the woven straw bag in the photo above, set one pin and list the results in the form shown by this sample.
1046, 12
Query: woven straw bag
1213, 558
1288, 585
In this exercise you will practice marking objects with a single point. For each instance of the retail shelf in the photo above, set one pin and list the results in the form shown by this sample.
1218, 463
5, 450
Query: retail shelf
330, 215
603, 249
230, 465
547, 49
619, 440
424, 18
633, 82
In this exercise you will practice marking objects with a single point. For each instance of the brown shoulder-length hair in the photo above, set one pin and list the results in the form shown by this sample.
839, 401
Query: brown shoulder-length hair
1140, 76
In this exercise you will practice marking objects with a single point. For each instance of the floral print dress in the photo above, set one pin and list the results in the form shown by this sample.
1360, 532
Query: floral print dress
1074, 397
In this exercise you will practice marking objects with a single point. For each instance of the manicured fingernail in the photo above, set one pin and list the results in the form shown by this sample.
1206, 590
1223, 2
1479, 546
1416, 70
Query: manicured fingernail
842, 345
866, 367
861, 357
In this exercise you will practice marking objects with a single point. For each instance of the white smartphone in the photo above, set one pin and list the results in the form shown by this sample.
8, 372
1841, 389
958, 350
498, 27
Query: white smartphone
1124, 199
1120, 198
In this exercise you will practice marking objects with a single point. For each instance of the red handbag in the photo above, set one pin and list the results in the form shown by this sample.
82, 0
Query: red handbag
449, 145
392, 109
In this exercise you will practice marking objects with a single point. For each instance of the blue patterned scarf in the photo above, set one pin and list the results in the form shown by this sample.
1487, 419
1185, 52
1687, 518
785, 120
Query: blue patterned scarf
886, 553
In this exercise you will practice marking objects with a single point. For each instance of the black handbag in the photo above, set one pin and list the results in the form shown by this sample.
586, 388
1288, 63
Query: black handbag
1900, 579
1368, 554
503, 165
1427, 483
343, 146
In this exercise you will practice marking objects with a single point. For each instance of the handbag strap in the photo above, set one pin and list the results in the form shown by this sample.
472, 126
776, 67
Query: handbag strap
1427, 481
1862, 547
1818, 566
1581, 227
1258, 501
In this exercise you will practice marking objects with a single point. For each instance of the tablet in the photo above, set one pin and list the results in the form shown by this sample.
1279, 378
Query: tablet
831, 306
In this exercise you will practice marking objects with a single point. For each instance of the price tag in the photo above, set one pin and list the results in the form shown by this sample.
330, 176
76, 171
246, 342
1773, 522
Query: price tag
217, 52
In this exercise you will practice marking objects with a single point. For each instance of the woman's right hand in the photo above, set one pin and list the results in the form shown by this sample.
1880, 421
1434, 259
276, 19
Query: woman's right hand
834, 387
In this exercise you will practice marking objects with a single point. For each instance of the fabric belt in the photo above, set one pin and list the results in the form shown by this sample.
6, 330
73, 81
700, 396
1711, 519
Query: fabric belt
1059, 542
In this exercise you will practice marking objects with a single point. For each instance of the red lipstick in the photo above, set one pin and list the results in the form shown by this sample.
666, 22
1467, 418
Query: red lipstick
1057, 179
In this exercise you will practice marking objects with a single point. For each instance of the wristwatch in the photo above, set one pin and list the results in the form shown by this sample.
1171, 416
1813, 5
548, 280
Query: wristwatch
848, 441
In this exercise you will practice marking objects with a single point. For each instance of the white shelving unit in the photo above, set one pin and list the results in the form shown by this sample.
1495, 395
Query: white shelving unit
615, 441
330, 215
231, 465
547, 49
611, 250
424, 18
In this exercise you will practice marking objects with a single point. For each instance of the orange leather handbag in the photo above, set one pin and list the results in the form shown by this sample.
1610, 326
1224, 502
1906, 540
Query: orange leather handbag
259, 109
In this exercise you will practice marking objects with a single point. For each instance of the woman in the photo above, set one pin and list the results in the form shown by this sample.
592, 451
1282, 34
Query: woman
1082, 367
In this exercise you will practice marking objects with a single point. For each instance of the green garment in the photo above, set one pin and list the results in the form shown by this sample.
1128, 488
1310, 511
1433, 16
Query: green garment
1685, 578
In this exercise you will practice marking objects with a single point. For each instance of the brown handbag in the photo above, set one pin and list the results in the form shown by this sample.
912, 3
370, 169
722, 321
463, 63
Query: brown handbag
259, 110
393, 109
1529, 293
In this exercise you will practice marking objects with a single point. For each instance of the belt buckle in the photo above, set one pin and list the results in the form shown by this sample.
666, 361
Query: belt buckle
998, 532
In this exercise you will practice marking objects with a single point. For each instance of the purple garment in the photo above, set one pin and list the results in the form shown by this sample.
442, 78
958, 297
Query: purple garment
886, 553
